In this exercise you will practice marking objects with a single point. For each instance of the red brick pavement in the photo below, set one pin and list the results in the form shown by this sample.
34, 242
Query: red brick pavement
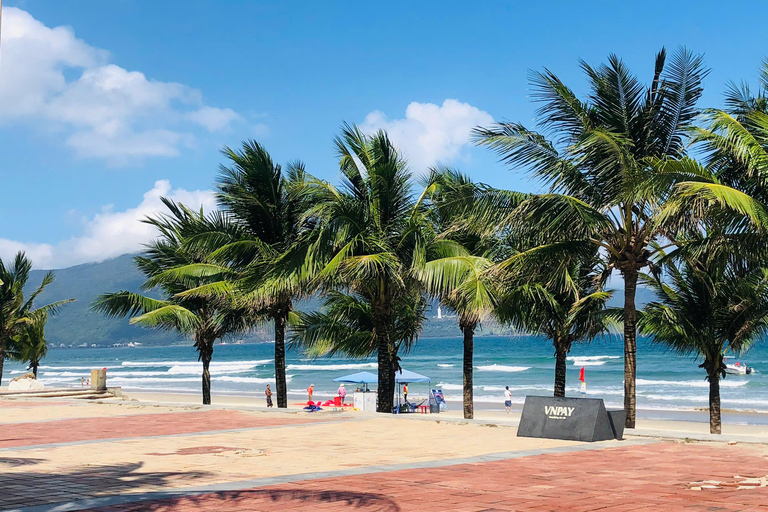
634, 478
139, 425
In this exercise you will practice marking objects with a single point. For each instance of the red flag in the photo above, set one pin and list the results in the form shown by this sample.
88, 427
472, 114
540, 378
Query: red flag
581, 374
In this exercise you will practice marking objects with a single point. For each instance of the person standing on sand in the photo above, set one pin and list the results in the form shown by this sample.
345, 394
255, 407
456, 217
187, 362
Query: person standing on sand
405, 392
268, 392
311, 391
508, 400
342, 392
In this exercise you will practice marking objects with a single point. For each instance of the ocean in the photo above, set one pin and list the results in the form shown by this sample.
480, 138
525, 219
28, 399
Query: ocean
665, 381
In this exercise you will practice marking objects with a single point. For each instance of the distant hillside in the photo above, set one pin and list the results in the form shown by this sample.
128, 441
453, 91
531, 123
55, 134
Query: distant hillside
76, 324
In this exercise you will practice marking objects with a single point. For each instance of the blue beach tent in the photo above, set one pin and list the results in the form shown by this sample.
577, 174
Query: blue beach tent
358, 378
409, 376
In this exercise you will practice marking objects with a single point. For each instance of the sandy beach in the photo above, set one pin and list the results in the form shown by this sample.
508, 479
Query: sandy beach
673, 424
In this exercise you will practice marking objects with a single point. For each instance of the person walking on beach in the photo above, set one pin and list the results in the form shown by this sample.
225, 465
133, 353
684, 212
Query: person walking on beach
311, 391
405, 392
508, 400
342, 392
268, 392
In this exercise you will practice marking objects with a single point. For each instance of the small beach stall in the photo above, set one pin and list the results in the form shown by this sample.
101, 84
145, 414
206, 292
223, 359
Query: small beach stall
408, 377
364, 399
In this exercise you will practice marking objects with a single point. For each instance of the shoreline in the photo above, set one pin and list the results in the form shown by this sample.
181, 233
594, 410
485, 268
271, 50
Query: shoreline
695, 422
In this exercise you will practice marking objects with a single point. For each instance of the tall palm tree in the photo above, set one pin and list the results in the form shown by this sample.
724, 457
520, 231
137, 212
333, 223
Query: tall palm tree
271, 207
565, 315
15, 311
598, 155
30, 345
462, 278
708, 306
371, 238
205, 319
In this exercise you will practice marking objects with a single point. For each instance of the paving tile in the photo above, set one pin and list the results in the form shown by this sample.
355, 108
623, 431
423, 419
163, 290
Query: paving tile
89, 429
574, 482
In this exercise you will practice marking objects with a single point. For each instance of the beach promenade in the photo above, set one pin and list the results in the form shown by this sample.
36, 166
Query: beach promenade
129, 456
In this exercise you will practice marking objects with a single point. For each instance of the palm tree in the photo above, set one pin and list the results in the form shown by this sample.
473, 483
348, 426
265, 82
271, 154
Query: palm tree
734, 145
30, 345
205, 319
708, 307
539, 304
271, 207
371, 239
345, 326
598, 156
15, 311
462, 279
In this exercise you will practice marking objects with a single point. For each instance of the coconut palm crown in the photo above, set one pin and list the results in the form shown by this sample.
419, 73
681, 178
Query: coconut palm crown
205, 319
708, 306
371, 238
16, 312
598, 155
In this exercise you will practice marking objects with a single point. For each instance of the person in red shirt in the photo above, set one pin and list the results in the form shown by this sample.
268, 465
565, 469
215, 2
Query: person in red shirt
311, 391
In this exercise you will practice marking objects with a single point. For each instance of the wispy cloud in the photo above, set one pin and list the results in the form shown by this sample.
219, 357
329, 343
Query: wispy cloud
53, 80
109, 233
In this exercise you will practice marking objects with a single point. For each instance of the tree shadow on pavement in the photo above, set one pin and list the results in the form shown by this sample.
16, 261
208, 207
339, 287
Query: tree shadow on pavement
92, 480
267, 499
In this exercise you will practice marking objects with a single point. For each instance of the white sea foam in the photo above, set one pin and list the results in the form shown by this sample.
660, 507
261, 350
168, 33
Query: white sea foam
446, 365
501, 368
88, 368
160, 380
449, 387
691, 383
682, 398
590, 360
324, 367
147, 380
215, 369
251, 380
214, 363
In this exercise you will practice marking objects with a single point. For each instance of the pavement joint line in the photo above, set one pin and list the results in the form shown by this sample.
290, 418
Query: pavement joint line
701, 436
161, 436
241, 485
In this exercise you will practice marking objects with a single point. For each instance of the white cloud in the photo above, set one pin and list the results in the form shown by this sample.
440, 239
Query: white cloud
430, 134
107, 111
109, 234
214, 119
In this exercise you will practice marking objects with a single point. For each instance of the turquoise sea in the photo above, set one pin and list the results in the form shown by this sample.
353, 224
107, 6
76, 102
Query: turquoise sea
666, 381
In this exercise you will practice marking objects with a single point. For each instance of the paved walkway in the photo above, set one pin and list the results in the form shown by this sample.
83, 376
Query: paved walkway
132, 459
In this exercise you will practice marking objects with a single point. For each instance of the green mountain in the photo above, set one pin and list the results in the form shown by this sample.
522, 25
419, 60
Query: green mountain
76, 324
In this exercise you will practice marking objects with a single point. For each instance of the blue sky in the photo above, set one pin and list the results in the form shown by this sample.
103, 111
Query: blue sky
135, 98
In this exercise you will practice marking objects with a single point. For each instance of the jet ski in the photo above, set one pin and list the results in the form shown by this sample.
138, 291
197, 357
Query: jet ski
738, 369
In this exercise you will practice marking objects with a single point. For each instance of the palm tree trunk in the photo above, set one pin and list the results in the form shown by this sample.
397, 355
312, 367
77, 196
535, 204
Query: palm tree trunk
34, 370
714, 404
280, 385
630, 344
2, 362
560, 369
469, 347
386, 393
206, 354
